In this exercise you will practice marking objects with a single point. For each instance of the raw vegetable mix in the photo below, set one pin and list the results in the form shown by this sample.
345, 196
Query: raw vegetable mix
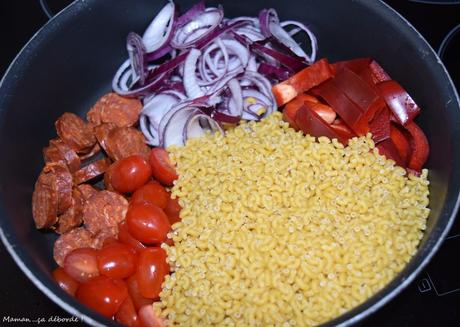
232, 178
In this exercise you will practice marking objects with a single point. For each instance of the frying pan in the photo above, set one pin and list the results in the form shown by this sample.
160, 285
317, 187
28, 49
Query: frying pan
70, 62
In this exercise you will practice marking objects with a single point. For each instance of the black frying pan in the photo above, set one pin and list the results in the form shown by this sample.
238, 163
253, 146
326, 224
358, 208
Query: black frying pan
70, 62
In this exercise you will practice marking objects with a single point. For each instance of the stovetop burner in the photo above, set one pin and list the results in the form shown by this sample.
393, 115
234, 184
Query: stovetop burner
431, 300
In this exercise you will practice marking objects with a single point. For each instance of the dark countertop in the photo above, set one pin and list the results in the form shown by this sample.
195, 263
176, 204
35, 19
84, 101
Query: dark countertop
432, 300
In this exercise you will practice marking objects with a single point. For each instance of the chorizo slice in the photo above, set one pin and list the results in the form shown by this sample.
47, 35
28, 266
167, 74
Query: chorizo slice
90, 171
75, 132
45, 200
73, 216
104, 210
64, 184
108, 179
87, 190
74, 239
93, 152
102, 133
113, 108
99, 238
58, 151
123, 142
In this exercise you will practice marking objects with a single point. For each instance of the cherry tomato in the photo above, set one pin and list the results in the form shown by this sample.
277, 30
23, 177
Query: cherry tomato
172, 210
81, 264
147, 223
130, 173
103, 294
152, 192
125, 237
64, 281
148, 318
136, 296
127, 314
117, 260
162, 168
151, 271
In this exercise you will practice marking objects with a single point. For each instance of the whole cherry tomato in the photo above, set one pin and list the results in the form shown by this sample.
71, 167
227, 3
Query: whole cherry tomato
103, 294
130, 173
125, 237
162, 168
148, 318
147, 223
117, 260
135, 293
151, 192
172, 210
127, 314
81, 264
151, 271
64, 281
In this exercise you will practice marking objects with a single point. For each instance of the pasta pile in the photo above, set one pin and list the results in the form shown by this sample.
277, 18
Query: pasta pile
282, 229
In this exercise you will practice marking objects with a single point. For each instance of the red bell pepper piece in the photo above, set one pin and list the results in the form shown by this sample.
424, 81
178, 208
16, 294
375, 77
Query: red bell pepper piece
355, 65
342, 129
302, 81
291, 108
401, 142
324, 111
388, 149
399, 101
378, 73
342, 105
419, 146
311, 123
380, 125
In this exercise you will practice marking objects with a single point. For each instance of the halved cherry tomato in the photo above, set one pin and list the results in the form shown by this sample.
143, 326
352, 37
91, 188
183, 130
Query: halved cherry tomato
162, 168
117, 260
64, 281
130, 173
103, 294
81, 264
151, 271
125, 237
151, 192
148, 318
127, 314
172, 210
134, 292
147, 223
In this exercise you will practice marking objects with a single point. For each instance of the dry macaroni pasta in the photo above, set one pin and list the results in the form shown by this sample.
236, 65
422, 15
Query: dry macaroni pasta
279, 229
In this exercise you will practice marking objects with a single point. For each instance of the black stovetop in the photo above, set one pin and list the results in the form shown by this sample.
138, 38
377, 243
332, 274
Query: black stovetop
433, 299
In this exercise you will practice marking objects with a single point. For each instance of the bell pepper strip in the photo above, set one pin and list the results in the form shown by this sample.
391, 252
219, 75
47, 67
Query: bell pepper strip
290, 109
401, 141
302, 81
342, 129
311, 123
388, 149
323, 110
379, 126
355, 65
378, 73
419, 146
342, 105
399, 101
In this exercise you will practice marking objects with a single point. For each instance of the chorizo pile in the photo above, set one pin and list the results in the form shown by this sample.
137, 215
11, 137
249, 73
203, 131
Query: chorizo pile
65, 197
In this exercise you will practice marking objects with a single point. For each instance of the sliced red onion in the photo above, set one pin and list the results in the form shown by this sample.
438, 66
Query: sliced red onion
292, 63
198, 124
267, 16
173, 133
191, 86
159, 32
225, 118
239, 50
190, 33
136, 51
313, 41
235, 105
277, 73
190, 14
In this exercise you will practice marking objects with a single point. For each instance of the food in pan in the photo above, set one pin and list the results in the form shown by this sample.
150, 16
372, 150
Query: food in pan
233, 178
